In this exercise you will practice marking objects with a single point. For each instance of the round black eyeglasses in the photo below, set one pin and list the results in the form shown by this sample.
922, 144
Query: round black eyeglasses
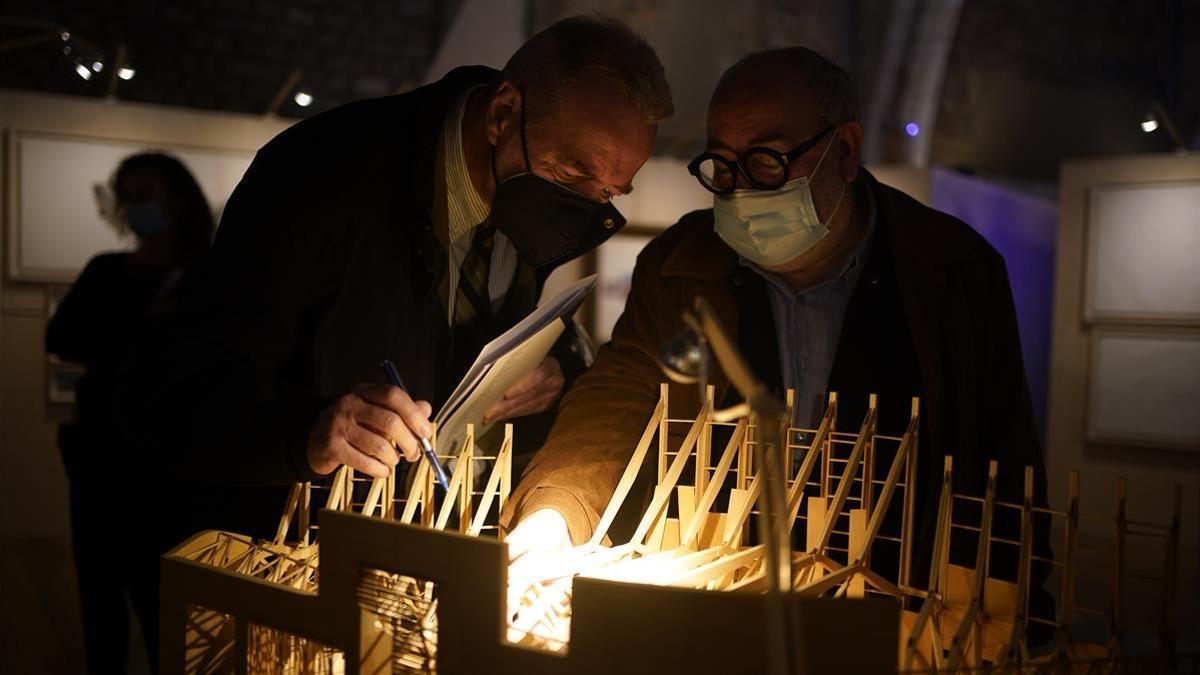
763, 168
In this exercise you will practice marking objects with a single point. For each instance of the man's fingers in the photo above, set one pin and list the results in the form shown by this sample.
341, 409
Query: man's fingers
360, 461
533, 402
393, 398
528, 383
372, 444
514, 407
397, 435
536, 405
533, 393
502, 409
414, 413
426, 409
387, 423
510, 407
409, 446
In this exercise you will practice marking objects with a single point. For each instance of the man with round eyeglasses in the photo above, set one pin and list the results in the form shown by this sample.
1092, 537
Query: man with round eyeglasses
830, 281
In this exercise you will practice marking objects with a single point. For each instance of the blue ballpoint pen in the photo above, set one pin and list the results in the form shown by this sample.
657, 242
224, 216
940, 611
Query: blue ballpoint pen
393, 378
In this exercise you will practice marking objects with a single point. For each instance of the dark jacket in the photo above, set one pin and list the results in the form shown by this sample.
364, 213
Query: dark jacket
932, 315
325, 263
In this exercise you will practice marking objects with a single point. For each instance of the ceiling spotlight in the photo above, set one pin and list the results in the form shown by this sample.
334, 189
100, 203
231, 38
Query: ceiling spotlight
83, 71
1150, 121
97, 66
65, 36
1157, 118
303, 99
126, 73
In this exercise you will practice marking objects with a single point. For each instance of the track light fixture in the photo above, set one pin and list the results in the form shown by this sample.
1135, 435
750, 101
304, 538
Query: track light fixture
1157, 117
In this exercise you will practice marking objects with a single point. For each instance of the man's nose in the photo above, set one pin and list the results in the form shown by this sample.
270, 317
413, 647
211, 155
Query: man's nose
740, 182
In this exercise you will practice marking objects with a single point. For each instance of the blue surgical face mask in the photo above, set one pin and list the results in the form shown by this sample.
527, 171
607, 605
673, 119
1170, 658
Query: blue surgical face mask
771, 227
147, 219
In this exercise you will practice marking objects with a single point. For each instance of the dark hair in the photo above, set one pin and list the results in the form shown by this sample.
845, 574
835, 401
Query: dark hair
830, 84
599, 45
184, 202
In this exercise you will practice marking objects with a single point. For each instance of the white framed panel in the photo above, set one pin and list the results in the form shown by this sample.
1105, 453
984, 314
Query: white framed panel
1144, 389
615, 261
1143, 253
54, 226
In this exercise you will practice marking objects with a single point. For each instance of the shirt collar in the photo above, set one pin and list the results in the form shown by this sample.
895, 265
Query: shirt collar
465, 207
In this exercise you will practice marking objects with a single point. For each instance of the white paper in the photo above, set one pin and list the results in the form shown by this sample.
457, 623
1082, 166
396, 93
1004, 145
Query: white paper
504, 361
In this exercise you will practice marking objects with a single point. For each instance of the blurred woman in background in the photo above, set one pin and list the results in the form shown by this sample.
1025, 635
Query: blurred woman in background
108, 310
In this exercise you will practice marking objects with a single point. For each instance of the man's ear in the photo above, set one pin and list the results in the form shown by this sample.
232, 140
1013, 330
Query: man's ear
849, 137
503, 109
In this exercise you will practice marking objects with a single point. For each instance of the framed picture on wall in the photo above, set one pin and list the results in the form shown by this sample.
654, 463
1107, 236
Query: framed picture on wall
1143, 253
54, 224
613, 265
1144, 388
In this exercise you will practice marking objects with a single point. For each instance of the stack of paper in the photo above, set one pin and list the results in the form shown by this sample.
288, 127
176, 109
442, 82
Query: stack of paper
503, 362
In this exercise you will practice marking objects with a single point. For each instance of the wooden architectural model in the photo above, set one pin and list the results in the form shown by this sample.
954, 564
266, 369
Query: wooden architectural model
409, 580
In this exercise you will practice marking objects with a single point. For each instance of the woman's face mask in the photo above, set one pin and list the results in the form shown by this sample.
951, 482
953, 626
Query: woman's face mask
147, 219
772, 227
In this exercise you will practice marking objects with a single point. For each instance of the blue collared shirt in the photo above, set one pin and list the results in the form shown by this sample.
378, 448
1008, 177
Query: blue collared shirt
808, 325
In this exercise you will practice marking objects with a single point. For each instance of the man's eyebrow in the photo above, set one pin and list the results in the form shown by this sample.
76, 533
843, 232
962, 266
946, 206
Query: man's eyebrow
588, 173
757, 142
773, 138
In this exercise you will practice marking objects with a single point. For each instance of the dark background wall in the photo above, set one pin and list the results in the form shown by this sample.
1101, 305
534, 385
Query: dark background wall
1031, 82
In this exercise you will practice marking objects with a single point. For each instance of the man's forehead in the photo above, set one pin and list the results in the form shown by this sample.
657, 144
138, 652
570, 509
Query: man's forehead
589, 161
760, 121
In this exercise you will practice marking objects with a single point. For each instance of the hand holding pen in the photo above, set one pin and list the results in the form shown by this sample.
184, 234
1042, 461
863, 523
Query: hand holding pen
368, 429
393, 378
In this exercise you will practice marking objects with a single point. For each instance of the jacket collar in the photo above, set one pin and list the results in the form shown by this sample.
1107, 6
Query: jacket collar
701, 254
433, 101
437, 99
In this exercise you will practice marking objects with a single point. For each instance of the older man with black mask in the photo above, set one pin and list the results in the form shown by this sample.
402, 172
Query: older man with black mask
830, 281
414, 228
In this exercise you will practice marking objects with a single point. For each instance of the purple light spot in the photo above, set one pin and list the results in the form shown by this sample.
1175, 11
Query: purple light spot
912, 129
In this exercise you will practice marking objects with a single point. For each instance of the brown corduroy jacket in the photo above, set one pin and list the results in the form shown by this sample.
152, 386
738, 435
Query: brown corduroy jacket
956, 302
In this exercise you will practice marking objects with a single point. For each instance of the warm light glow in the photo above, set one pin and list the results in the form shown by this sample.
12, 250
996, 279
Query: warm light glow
126, 73
1149, 124
544, 530
83, 71
303, 99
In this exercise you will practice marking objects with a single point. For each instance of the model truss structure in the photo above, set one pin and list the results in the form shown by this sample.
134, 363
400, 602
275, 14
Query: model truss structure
410, 582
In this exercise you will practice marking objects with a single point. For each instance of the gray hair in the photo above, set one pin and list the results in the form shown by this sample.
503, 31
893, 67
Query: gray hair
828, 83
579, 46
